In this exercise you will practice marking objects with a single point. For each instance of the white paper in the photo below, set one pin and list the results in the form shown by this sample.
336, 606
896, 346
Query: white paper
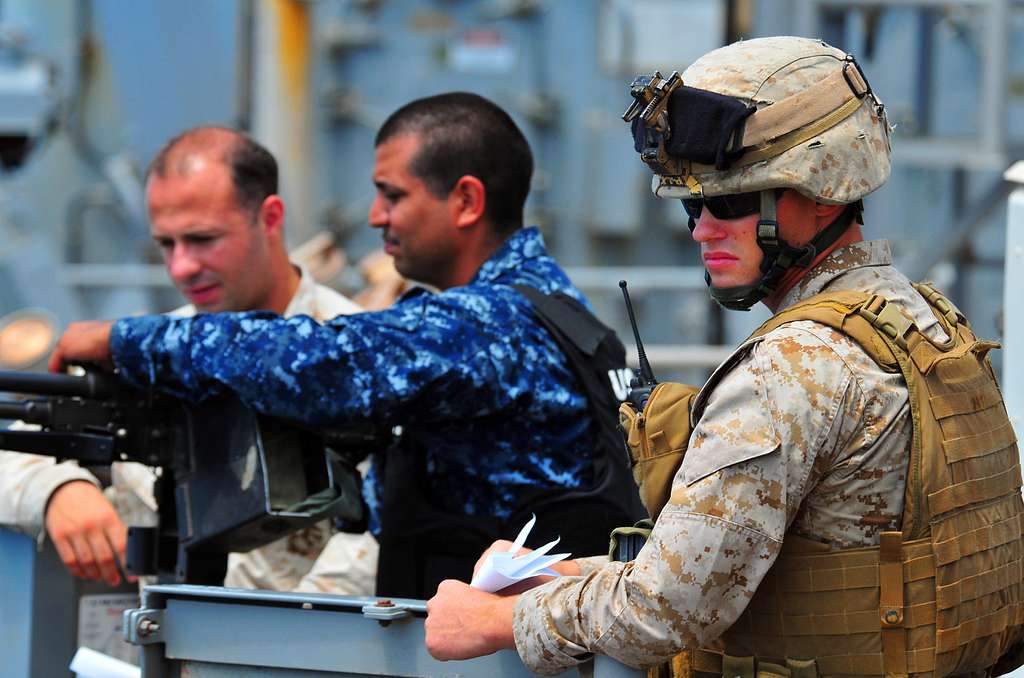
504, 569
92, 664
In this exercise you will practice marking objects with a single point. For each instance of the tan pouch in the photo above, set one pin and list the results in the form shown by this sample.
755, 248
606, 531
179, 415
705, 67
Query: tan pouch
657, 439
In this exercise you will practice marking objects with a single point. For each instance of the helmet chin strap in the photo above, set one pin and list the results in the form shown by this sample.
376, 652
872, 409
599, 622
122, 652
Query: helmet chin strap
779, 255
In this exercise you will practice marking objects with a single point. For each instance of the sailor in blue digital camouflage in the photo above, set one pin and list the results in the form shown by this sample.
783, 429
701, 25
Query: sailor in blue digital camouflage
452, 363
494, 422
811, 464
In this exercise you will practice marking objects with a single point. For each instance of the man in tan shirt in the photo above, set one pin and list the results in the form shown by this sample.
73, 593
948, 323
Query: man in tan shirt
216, 217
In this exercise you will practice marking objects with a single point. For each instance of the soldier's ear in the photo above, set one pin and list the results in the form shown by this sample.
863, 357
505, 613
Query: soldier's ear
827, 213
468, 201
271, 215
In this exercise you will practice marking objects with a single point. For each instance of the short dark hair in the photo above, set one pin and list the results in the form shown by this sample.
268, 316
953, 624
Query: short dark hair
463, 133
253, 167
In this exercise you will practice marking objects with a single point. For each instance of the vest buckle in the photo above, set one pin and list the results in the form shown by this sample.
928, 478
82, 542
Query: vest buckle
887, 319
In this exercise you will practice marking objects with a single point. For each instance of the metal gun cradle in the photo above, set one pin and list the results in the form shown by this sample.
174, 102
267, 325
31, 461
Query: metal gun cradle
230, 480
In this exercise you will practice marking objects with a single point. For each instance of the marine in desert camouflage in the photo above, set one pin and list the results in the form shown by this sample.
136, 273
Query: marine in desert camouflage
801, 439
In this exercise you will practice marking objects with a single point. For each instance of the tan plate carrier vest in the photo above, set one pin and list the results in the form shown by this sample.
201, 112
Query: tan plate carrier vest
944, 596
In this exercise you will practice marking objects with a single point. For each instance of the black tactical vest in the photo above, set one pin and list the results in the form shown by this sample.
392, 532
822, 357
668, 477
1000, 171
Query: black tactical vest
421, 544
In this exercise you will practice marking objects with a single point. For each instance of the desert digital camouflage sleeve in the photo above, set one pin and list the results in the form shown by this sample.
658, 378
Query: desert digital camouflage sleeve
802, 412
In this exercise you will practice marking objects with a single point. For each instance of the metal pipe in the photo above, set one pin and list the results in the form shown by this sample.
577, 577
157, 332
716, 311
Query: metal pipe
30, 411
90, 385
638, 277
964, 228
994, 76
681, 356
113, 275
244, 68
1013, 317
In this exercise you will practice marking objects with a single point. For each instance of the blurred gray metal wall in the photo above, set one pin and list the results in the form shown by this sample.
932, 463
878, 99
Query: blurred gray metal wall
951, 74
126, 77
314, 80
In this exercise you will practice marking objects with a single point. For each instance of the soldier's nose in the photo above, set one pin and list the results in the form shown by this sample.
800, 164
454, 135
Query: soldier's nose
182, 267
378, 216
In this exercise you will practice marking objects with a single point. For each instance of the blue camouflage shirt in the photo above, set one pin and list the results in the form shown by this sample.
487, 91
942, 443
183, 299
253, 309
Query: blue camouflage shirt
469, 372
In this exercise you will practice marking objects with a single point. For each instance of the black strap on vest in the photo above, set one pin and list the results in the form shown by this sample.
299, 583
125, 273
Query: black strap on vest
421, 544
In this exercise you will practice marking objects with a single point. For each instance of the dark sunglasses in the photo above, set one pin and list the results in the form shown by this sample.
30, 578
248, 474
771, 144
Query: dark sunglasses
732, 206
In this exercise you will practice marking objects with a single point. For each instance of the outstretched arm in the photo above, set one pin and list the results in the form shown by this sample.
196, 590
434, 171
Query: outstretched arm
432, 357
85, 342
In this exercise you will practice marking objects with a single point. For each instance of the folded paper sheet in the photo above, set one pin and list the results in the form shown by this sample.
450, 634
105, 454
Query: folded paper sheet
91, 664
504, 569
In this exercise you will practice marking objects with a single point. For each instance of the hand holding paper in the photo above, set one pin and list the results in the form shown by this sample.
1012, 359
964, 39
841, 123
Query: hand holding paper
504, 569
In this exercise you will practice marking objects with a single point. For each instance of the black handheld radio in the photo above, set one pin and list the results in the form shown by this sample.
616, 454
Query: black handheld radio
640, 385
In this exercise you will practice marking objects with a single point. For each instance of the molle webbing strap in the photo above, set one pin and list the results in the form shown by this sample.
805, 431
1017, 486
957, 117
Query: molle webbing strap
890, 604
839, 623
808, 582
992, 623
973, 491
919, 660
981, 584
979, 444
854, 568
979, 539
966, 402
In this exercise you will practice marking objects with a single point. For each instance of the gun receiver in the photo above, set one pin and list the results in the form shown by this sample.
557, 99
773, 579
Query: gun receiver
642, 385
231, 480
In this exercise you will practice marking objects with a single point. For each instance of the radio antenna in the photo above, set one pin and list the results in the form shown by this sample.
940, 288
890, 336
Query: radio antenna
646, 373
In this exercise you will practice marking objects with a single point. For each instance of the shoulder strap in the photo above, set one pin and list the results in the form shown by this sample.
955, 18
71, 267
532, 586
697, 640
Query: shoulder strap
570, 318
581, 337
866, 318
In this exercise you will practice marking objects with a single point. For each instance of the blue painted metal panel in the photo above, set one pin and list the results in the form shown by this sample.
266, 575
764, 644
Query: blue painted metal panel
15, 602
173, 65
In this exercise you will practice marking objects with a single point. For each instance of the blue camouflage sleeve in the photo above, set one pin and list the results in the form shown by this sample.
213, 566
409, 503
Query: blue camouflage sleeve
434, 356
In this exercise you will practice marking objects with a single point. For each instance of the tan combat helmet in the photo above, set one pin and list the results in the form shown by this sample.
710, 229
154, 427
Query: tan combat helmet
755, 117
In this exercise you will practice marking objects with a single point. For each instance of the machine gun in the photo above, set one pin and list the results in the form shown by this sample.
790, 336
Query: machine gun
230, 479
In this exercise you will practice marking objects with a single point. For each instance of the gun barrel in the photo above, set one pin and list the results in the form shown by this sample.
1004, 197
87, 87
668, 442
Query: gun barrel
90, 385
9, 410
31, 411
